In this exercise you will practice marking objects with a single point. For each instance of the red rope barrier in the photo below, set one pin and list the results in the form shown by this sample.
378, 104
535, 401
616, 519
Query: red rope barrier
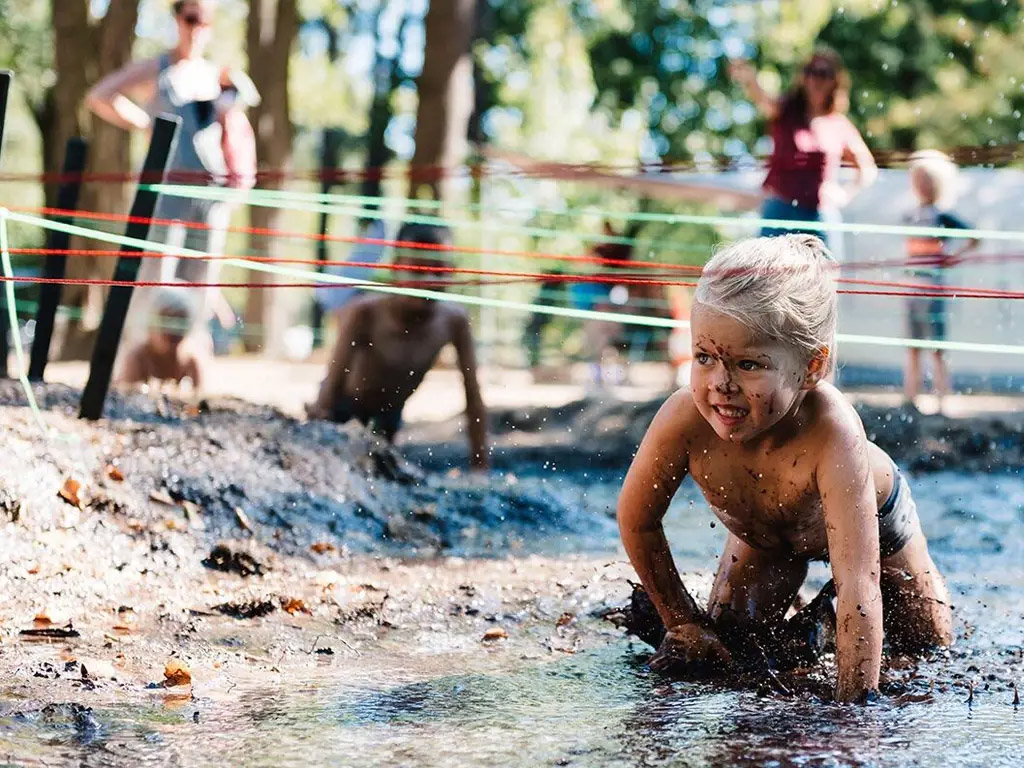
932, 293
612, 278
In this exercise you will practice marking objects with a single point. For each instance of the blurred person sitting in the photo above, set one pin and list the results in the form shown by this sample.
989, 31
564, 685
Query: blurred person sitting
387, 343
932, 175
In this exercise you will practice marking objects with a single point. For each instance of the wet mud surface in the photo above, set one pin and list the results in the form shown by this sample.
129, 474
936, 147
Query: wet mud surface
338, 602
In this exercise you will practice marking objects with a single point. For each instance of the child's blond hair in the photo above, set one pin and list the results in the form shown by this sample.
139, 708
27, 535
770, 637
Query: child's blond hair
941, 172
782, 288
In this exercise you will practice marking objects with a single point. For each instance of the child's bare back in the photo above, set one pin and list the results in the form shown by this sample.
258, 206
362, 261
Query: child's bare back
387, 343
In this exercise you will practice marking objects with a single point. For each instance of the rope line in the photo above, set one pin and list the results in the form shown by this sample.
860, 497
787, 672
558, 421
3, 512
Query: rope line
221, 194
474, 300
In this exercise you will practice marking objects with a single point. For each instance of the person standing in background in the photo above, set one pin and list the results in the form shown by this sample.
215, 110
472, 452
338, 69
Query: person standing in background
216, 145
928, 257
811, 138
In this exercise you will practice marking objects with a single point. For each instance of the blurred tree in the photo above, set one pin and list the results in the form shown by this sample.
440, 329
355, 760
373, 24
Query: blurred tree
271, 29
445, 89
932, 73
86, 49
387, 75
924, 72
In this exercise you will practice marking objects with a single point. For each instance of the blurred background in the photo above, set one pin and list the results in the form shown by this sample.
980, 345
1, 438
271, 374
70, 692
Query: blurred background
542, 126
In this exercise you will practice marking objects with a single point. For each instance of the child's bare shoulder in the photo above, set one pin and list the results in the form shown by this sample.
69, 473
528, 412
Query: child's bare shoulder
679, 414
833, 419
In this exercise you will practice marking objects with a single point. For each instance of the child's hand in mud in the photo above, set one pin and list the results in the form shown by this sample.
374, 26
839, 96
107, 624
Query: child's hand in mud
688, 644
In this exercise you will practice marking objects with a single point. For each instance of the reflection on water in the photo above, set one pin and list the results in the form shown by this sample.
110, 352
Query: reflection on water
601, 707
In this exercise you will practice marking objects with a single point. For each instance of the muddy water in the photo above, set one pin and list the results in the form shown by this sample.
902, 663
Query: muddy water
425, 697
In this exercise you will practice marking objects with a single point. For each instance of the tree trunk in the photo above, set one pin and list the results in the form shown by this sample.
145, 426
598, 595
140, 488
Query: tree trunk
271, 28
85, 53
445, 90
387, 74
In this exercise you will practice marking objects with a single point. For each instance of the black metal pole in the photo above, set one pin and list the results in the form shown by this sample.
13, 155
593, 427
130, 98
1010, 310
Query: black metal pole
108, 338
5, 88
56, 263
329, 148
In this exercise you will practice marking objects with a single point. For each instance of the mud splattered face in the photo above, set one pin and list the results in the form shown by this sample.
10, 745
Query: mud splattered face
742, 385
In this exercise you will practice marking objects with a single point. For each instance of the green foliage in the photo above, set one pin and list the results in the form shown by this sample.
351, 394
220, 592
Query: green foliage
936, 73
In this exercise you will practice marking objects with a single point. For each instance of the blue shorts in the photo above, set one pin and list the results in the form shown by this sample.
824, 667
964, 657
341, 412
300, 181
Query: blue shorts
777, 208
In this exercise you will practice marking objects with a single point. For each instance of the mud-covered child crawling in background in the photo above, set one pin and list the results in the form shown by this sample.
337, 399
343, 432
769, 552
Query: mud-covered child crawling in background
387, 343
170, 352
783, 460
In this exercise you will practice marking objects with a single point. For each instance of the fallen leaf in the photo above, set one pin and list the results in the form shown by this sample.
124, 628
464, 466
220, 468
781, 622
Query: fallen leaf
243, 519
161, 497
176, 672
294, 605
565, 618
70, 492
494, 633
173, 524
322, 547
190, 411
192, 511
42, 619
114, 473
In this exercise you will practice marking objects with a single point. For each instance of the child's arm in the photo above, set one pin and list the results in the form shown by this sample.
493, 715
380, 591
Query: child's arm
351, 325
476, 412
851, 521
659, 467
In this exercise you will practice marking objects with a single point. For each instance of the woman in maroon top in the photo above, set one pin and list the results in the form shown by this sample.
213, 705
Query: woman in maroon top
812, 137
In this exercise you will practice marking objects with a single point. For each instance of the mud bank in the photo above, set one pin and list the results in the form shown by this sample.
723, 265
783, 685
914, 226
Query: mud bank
602, 434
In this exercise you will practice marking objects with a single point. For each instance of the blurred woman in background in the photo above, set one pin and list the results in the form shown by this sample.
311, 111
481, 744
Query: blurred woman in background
811, 138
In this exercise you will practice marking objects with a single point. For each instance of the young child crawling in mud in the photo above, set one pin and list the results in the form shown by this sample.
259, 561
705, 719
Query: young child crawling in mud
169, 351
782, 459
387, 343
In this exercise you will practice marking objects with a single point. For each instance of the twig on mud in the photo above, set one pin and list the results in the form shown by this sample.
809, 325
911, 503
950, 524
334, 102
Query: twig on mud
315, 641
344, 642
771, 673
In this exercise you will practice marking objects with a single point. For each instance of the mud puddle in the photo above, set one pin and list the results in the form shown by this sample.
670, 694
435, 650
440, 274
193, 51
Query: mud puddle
375, 643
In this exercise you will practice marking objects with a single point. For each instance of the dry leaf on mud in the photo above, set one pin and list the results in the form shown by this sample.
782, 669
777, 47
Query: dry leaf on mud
114, 473
494, 633
192, 511
565, 618
42, 619
70, 492
294, 605
176, 672
161, 497
243, 519
322, 547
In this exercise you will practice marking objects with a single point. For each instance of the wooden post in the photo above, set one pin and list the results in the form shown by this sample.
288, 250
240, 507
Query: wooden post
5, 88
329, 148
101, 369
53, 268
